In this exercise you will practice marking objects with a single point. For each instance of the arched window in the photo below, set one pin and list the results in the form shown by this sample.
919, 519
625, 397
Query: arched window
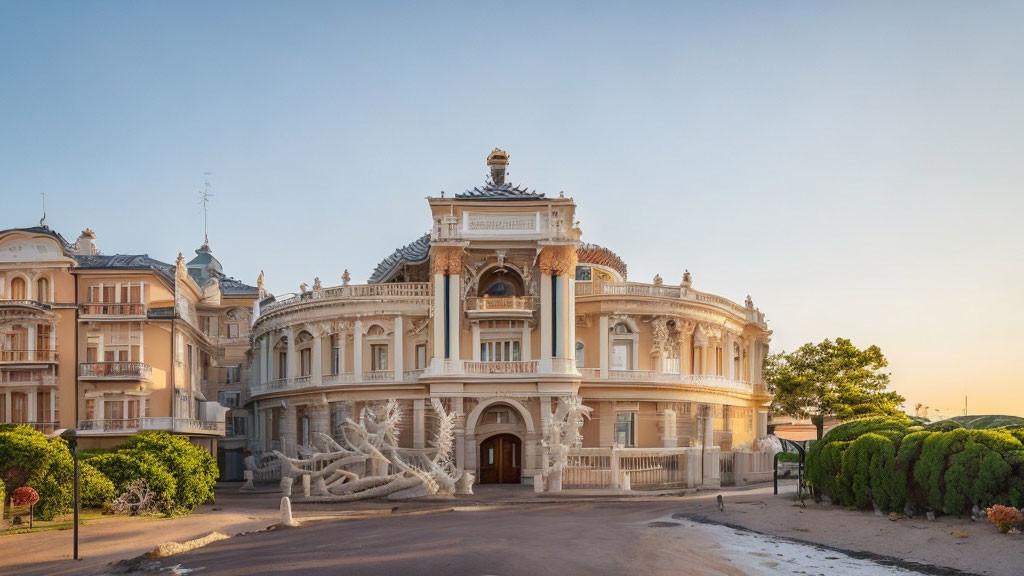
18, 289
304, 346
43, 290
623, 347
580, 351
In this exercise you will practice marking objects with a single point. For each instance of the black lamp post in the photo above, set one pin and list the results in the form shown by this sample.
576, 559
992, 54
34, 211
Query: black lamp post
71, 437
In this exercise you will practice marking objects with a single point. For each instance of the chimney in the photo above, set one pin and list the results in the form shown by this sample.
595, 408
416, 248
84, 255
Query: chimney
498, 161
86, 244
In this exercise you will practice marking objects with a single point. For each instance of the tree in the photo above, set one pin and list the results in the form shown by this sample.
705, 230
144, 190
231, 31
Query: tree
830, 379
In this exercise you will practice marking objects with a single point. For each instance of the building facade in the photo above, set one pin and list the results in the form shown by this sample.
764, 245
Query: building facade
114, 344
500, 310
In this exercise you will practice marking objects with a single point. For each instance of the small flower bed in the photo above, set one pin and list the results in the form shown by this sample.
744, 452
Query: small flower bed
1004, 517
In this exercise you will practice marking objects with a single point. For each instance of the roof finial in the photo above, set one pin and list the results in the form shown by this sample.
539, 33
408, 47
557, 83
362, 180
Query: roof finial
42, 221
204, 198
498, 161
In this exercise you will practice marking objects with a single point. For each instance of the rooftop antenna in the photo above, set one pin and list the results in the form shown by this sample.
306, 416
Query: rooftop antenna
42, 221
204, 198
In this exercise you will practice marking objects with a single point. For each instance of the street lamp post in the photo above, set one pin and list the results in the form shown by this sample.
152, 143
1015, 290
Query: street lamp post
71, 437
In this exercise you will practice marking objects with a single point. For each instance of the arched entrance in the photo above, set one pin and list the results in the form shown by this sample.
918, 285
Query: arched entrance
501, 460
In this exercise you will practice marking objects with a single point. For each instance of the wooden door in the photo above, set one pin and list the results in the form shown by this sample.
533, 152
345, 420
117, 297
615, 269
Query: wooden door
501, 460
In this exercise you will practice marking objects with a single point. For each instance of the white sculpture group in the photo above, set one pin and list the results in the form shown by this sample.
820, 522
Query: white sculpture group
562, 434
368, 462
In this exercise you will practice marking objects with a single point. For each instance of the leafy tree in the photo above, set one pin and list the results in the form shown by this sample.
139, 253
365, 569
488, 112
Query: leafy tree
830, 379
194, 469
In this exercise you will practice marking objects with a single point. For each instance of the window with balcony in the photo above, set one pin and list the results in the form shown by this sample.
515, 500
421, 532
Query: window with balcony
625, 429
378, 357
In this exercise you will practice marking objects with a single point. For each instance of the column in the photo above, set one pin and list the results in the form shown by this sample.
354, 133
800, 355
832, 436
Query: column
399, 354
762, 423
526, 350
709, 427
291, 360
342, 351
460, 434
439, 317
30, 406
545, 322
31, 337
454, 315
669, 438
727, 355
418, 424
570, 302
357, 351
317, 359
476, 341
602, 327
289, 431
264, 373
684, 356
7, 407
752, 357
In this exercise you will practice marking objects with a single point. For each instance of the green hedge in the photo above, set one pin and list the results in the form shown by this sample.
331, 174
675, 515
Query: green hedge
124, 467
95, 489
194, 469
890, 463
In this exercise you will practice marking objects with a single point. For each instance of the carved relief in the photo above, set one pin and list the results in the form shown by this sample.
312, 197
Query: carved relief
447, 259
560, 260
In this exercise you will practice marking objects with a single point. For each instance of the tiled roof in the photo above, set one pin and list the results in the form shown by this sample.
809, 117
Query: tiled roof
232, 287
506, 191
42, 230
412, 253
126, 262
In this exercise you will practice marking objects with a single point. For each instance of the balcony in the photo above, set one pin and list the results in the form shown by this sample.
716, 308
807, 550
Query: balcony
672, 379
21, 303
521, 367
421, 292
93, 310
167, 424
484, 307
639, 289
328, 380
18, 356
34, 381
114, 371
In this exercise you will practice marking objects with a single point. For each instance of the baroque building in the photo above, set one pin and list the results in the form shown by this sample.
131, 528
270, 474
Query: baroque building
111, 344
498, 311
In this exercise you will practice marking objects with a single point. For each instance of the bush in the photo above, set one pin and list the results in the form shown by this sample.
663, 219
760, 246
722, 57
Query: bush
194, 469
1004, 517
125, 467
95, 490
28, 458
891, 464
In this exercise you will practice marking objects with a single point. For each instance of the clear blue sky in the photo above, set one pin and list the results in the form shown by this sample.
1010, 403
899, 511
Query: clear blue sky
856, 167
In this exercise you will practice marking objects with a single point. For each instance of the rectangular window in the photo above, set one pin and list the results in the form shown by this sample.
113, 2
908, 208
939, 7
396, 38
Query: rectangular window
500, 351
228, 398
232, 330
238, 425
421, 356
305, 362
625, 429
378, 357
232, 374
622, 356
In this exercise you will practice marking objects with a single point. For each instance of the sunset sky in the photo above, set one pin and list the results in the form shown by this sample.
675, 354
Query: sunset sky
857, 168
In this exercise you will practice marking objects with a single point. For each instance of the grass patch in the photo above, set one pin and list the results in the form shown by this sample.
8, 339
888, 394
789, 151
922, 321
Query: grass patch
62, 522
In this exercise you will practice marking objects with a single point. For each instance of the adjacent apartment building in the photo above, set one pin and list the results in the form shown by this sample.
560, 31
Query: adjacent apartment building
111, 344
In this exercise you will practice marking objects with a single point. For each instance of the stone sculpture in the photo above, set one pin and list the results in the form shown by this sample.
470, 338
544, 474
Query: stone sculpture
367, 462
560, 436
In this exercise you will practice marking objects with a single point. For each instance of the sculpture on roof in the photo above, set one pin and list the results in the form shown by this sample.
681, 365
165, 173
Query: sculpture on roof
749, 302
345, 278
367, 462
259, 283
687, 279
316, 284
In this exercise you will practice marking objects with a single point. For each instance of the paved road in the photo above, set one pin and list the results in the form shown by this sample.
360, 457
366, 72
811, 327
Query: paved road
558, 538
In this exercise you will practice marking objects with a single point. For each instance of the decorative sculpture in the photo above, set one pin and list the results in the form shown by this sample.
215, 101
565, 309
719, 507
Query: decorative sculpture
316, 284
749, 302
561, 435
687, 279
369, 464
657, 280
345, 277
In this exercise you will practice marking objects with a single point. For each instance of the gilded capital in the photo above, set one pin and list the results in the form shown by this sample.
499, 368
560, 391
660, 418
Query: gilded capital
447, 259
560, 260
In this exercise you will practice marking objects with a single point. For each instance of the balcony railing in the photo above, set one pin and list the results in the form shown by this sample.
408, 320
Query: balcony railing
379, 376
482, 303
26, 356
36, 380
699, 380
22, 302
112, 309
416, 290
674, 292
133, 425
520, 367
114, 371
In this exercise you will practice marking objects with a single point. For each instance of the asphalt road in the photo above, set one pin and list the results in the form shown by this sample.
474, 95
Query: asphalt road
570, 538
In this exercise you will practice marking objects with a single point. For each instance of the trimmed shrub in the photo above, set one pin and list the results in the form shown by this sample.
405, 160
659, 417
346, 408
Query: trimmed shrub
28, 458
194, 469
867, 472
125, 467
95, 490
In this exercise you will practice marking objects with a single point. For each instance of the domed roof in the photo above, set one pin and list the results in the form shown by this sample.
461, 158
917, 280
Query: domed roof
415, 252
594, 254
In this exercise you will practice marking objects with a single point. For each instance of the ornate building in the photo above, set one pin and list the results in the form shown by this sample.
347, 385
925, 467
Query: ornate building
113, 344
499, 311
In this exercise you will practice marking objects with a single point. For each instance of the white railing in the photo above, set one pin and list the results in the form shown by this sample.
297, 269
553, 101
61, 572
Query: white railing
637, 468
413, 375
301, 381
521, 367
379, 376
675, 292
701, 380
336, 379
417, 290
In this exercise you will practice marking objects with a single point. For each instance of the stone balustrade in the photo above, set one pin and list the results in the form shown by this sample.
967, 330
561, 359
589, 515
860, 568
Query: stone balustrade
673, 292
133, 425
390, 290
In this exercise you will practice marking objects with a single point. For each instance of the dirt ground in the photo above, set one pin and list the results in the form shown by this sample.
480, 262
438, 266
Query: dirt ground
503, 530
